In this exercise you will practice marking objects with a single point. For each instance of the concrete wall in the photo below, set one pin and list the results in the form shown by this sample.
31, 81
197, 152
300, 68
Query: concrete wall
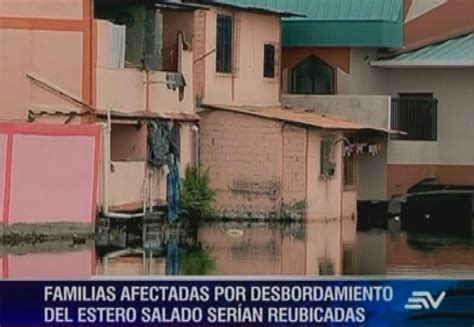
262, 166
365, 109
450, 155
245, 158
251, 32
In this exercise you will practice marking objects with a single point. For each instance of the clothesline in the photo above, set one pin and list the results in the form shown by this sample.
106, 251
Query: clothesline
362, 148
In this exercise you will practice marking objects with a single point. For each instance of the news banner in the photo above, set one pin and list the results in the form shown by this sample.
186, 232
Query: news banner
238, 301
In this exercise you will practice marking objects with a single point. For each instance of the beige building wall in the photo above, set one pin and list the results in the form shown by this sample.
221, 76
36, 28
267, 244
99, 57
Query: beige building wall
246, 85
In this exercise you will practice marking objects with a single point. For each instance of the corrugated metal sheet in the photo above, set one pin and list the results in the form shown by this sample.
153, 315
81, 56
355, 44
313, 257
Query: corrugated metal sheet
350, 33
453, 52
344, 10
300, 116
328, 10
453, 49
363, 23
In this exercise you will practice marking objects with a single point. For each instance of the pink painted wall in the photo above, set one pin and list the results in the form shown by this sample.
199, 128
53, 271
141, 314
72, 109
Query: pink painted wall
79, 264
126, 90
324, 194
252, 31
62, 9
59, 186
3, 152
52, 173
54, 55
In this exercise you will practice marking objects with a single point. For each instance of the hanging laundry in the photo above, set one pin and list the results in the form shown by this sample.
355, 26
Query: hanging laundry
172, 256
347, 151
163, 145
173, 191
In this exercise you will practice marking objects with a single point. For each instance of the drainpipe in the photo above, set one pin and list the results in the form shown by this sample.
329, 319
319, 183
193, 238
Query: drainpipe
197, 145
106, 177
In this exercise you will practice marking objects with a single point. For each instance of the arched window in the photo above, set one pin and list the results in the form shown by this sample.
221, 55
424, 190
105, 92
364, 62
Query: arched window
313, 76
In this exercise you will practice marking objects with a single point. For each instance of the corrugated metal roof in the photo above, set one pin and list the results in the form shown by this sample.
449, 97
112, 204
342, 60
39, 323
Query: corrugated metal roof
298, 33
456, 52
366, 23
342, 10
299, 116
327, 10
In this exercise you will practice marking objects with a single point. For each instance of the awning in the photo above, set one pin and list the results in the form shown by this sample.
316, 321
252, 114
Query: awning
301, 116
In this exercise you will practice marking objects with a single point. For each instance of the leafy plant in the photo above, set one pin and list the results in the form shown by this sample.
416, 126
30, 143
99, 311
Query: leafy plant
196, 261
197, 196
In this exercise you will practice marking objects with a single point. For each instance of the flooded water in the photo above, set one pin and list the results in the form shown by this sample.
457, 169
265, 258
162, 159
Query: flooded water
234, 248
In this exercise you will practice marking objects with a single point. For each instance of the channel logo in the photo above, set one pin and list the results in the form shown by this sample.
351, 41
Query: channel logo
424, 300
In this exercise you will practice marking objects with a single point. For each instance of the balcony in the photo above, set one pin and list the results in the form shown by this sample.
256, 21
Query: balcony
131, 89
366, 109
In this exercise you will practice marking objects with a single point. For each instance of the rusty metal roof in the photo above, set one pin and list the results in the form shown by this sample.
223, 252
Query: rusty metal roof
300, 116
184, 117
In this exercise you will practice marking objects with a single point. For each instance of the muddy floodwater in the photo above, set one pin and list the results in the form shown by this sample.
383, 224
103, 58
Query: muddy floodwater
236, 248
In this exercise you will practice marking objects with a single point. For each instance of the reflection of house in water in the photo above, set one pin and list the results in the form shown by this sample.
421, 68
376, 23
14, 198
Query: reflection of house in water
48, 261
268, 249
412, 255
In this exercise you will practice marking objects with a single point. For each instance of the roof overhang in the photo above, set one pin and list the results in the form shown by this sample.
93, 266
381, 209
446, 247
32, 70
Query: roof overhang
146, 115
302, 117
423, 63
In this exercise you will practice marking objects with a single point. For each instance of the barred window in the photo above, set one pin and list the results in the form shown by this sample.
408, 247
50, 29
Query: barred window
269, 61
224, 44
416, 114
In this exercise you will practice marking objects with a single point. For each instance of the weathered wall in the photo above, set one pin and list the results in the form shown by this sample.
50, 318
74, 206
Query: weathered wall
294, 185
252, 31
244, 154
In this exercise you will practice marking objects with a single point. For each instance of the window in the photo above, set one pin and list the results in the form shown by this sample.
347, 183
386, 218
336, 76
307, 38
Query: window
224, 44
415, 114
313, 76
328, 164
269, 61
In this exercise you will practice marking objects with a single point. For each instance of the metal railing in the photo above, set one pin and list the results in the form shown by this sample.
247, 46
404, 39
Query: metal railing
417, 116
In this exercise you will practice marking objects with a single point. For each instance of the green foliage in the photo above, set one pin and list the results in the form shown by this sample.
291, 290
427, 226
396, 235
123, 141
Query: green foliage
196, 261
197, 197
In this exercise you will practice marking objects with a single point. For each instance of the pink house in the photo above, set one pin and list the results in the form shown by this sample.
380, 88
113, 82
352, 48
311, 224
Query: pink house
110, 66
